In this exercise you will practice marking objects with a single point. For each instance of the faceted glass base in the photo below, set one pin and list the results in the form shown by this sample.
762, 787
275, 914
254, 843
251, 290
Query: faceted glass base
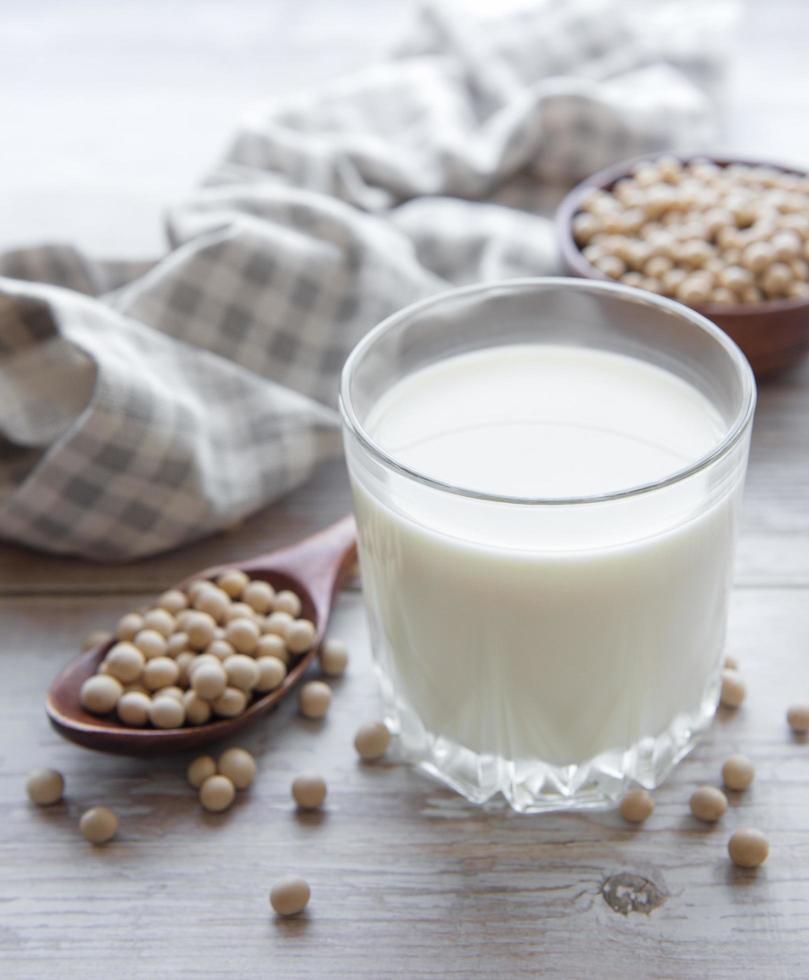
532, 786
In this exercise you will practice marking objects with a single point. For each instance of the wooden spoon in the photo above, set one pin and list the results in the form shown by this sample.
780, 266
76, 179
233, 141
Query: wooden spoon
315, 569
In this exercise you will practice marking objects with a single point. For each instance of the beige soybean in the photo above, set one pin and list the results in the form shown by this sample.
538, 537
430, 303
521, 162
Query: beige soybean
196, 588
133, 708
314, 699
240, 610
259, 596
272, 645
230, 703
748, 848
287, 602
172, 691
277, 623
372, 740
233, 582
129, 626
181, 619
160, 672
300, 636
798, 718
290, 896
239, 767
209, 681
167, 712
786, 245
199, 770
271, 674
241, 671
738, 772
201, 588
693, 291
242, 635
197, 709
177, 644
202, 660
309, 790
722, 295
160, 620
634, 279
333, 657
220, 649
611, 266
213, 601
733, 690
585, 227
98, 825
100, 693
45, 786
173, 601
757, 256
734, 277
125, 662
184, 661
637, 806
200, 629
152, 644
672, 280
708, 803
217, 793
777, 278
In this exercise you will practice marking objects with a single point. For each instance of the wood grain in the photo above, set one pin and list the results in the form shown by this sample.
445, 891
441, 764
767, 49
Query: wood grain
407, 880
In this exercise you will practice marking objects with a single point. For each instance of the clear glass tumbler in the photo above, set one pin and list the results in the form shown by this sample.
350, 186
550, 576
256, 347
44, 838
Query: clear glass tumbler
615, 604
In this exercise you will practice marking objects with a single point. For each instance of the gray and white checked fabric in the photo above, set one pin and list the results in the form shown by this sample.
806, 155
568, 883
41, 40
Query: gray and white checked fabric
145, 405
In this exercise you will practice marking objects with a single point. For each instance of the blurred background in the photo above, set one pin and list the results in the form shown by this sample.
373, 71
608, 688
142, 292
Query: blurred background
111, 111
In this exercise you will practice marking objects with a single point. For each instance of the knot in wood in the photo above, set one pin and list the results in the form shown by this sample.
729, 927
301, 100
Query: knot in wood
626, 892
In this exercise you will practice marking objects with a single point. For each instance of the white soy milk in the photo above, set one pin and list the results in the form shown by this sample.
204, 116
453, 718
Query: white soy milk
571, 630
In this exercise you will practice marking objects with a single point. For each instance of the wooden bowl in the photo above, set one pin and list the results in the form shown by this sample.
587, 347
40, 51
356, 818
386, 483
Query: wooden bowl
773, 334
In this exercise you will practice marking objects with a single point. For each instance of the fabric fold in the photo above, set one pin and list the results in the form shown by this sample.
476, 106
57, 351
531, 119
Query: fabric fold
147, 404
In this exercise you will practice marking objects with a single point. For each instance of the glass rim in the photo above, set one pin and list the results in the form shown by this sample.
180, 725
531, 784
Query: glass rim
734, 433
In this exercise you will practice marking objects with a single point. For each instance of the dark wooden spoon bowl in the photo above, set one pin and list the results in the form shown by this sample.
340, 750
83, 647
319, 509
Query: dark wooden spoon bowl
315, 569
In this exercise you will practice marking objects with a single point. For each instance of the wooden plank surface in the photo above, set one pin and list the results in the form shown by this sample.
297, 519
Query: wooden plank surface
408, 880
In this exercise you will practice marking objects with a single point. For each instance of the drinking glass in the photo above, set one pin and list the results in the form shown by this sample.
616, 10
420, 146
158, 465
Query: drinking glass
615, 603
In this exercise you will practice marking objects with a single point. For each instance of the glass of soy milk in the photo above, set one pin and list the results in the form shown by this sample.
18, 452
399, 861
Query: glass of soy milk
547, 476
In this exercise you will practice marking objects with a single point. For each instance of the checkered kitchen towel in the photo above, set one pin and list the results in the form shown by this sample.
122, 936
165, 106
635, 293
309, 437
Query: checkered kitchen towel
145, 406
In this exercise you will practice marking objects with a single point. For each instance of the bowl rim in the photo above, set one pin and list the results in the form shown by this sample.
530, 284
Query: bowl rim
608, 176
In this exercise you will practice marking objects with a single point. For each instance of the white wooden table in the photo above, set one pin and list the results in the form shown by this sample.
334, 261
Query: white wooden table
407, 880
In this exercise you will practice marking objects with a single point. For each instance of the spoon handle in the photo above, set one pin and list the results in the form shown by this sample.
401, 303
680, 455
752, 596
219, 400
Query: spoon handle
324, 553
325, 561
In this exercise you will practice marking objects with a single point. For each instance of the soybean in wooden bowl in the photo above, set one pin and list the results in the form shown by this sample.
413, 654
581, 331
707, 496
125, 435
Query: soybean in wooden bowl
773, 329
